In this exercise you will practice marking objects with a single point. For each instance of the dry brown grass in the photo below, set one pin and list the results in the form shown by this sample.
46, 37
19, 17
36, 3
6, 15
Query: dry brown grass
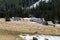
7, 35
10, 30
28, 27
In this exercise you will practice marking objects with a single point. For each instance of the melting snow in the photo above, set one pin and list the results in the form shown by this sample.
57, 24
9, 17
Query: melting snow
40, 37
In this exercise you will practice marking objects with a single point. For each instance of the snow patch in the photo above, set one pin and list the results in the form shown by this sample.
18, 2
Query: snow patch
37, 3
40, 37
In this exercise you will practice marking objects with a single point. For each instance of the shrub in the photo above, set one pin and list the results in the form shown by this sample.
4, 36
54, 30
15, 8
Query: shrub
7, 19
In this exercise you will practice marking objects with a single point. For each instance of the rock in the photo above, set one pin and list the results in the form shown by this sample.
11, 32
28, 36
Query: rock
16, 18
46, 39
34, 38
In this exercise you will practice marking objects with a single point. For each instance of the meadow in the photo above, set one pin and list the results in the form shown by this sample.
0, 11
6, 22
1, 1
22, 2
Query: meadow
11, 30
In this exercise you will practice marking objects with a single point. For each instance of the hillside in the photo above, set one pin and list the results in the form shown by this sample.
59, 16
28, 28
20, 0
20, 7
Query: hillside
23, 3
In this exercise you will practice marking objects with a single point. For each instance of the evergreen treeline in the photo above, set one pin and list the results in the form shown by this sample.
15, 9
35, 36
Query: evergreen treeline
12, 8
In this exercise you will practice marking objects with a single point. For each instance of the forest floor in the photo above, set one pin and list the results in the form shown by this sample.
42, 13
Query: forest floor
10, 30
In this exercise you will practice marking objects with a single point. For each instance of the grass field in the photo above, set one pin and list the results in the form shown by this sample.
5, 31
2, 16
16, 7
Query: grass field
9, 35
10, 30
